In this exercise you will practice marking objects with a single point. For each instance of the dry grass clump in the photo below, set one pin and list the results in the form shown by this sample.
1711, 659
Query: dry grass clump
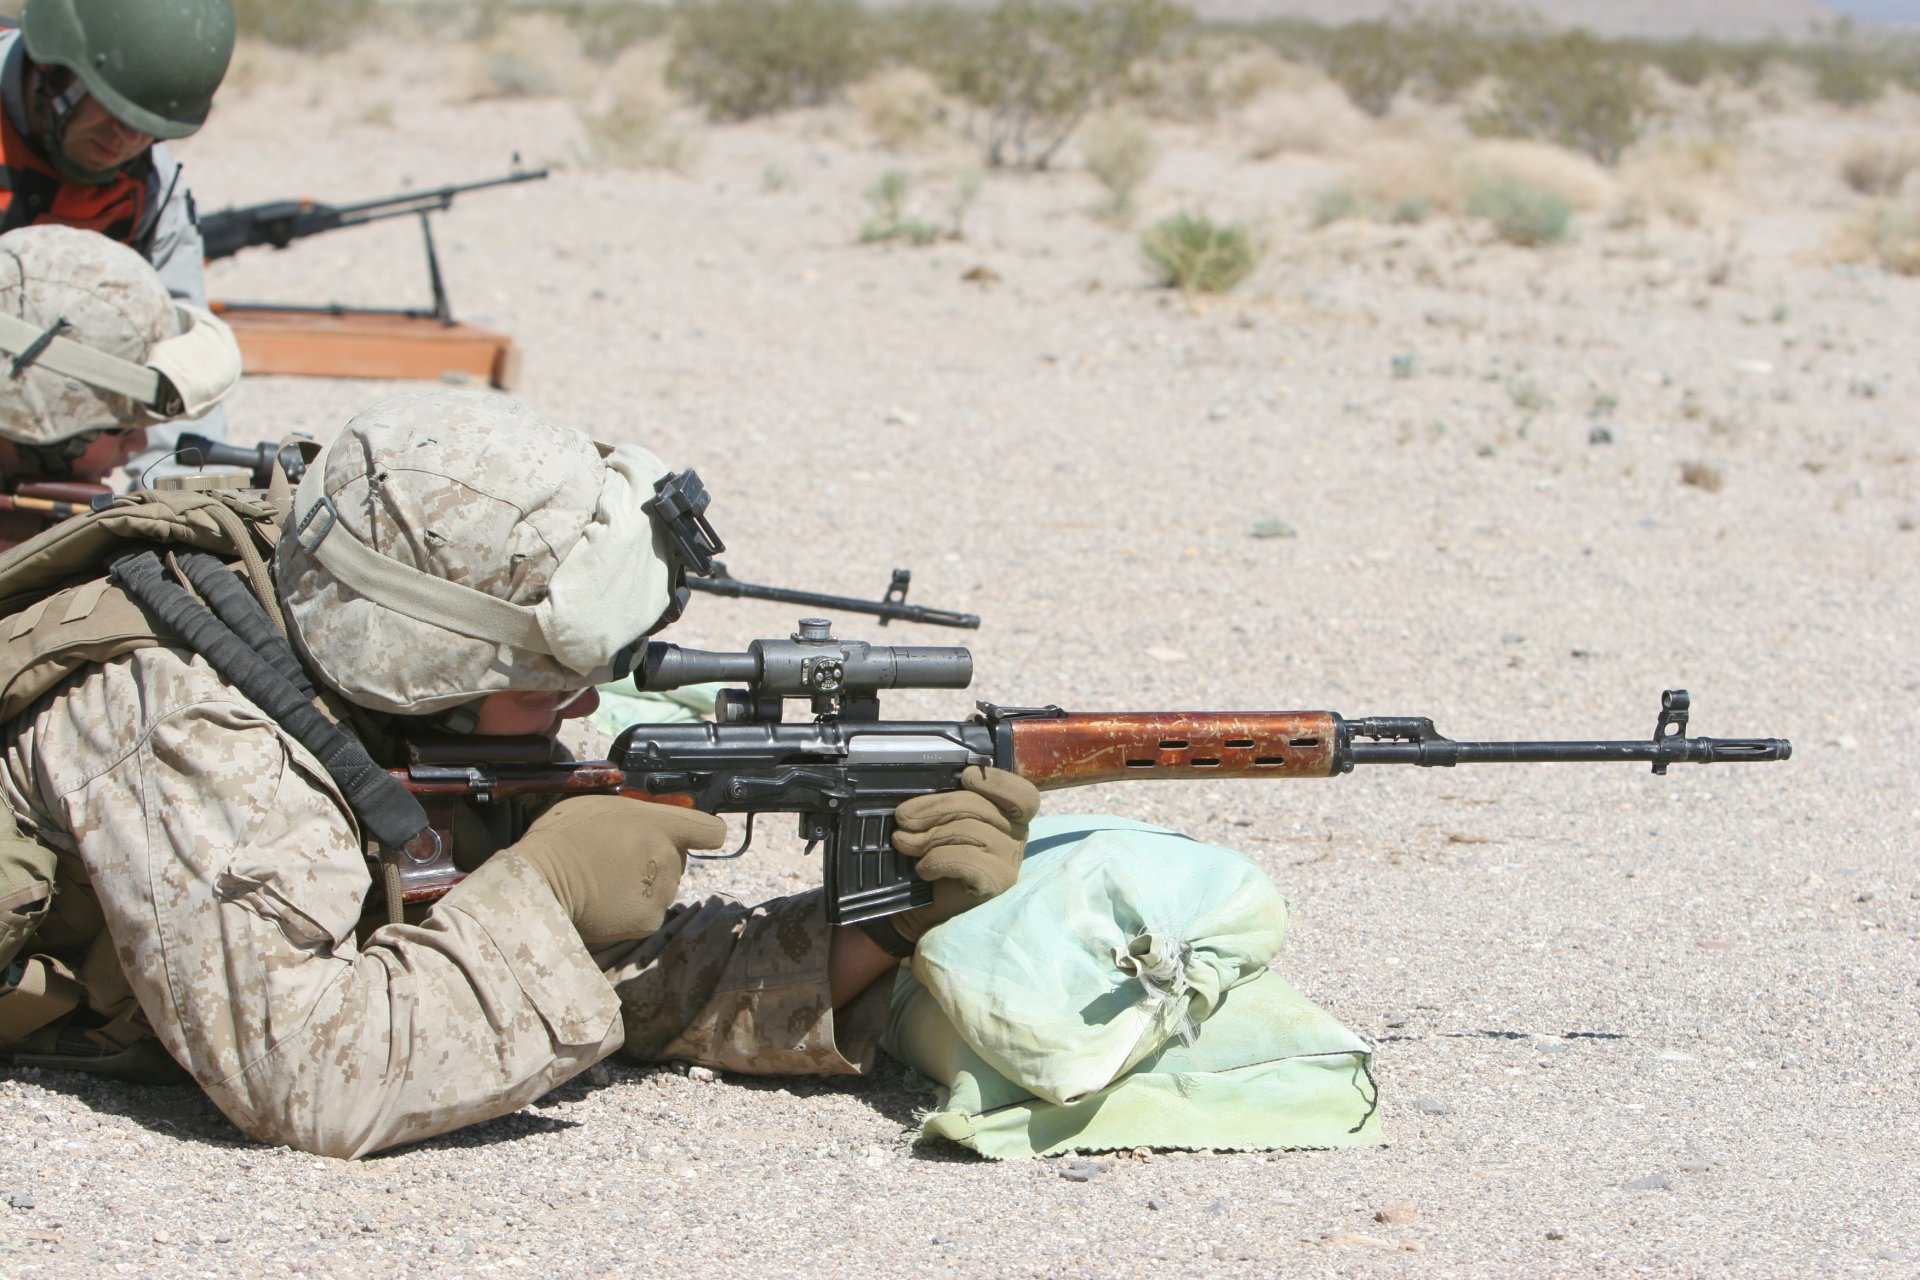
629, 118
1311, 120
1528, 190
529, 55
1120, 151
1403, 179
1879, 166
1886, 235
1573, 178
902, 106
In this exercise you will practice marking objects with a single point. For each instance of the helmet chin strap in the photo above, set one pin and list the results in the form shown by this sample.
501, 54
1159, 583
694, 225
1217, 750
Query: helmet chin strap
56, 110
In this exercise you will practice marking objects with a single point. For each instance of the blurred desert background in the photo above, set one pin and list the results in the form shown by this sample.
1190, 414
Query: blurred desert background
1505, 367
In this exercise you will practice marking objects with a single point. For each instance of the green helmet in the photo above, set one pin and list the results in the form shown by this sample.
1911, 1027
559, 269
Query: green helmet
154, 66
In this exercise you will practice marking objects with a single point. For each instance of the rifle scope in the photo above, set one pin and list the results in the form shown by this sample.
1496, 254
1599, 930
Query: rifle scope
809, 664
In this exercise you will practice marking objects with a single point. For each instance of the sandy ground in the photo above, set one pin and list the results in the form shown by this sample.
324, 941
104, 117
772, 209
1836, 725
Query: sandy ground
1626, 1025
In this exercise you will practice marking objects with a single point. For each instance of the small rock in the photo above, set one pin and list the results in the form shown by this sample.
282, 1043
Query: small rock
1556, 1235
21, 1200
980, 275
1396, 1019
1142, 1153
1648, 1182
703, 1075
1394, 1211
161, 1237
1082, 1170
1274, 529
456, 378
902, 418
1156, 1204
1431, 1107
1599, 433
1696, 1166
1219, 413
1404, 365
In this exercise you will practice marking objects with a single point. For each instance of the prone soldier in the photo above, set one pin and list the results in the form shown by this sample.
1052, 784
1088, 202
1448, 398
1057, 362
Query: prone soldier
188, 879
93, 351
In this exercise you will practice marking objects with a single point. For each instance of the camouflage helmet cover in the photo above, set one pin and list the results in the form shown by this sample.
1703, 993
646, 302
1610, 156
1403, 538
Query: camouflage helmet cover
153, 64
476, 490
110, 299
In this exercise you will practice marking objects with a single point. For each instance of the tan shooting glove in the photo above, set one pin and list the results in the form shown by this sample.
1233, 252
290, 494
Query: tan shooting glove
968, 842
615, 863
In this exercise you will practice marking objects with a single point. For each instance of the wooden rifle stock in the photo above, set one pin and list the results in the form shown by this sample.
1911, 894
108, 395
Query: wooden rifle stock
1079, 750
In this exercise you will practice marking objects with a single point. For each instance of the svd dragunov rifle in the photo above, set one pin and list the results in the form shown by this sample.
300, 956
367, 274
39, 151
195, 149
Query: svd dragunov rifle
845, 770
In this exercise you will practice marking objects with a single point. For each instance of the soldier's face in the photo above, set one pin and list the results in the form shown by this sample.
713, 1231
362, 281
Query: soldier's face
108, 451
517, 714
97, 142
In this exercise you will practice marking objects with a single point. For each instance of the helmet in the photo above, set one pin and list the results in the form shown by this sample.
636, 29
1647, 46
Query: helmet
90, 290
154, 66
450, 544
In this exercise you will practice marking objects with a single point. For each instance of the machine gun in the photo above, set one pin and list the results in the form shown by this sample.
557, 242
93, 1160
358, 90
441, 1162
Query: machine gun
846, 770
279, 223
334, 340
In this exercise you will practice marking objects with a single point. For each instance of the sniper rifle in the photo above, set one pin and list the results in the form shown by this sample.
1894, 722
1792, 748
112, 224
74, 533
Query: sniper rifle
846, 770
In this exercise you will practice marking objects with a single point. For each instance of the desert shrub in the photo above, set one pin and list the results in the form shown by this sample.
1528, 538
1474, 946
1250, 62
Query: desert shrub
1195, 254
633, 129
1120, 151
902, 105
1316, 120
1370, 61
1522, 212
1688, 61
1845, 73
1886, 235
1878, 166
1036, 68
1571, 90
893, 216
607, 28
303, 24
1335, 202
743, 58
890, 221
1201, 74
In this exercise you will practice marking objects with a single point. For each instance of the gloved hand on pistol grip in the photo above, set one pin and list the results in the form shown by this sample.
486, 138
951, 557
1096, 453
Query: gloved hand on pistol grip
969, 844
615, 863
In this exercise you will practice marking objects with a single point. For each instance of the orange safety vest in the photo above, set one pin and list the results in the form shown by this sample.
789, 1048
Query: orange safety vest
126, 207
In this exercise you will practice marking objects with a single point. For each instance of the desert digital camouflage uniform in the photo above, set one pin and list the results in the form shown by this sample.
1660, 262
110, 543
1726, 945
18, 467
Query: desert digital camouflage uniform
211, 881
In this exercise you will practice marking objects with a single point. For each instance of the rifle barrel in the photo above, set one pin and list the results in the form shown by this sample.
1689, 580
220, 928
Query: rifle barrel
1445, 753
889, 610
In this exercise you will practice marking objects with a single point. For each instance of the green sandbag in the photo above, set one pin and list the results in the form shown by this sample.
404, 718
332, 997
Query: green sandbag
1117, 937
1269, 1070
